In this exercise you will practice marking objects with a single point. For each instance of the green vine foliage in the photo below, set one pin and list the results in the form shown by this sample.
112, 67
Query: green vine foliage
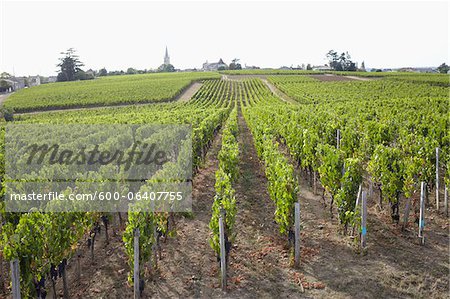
347, 194
225, 199
330, 169
283, 186
387, 168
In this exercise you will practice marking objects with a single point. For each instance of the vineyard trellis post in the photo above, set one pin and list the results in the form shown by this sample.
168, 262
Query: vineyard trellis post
297, 234
315, 182
363, 220
358, 199
64, 277
223, 254
136, 278
422, 210
437, 179
338, 138
446, 200
155, 247
15, 278
2, 272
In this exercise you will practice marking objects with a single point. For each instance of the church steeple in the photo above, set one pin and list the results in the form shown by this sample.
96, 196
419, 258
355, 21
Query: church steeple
166, 58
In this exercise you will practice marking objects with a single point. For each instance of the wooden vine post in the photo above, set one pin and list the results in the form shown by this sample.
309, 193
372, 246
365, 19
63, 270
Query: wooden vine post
358, 199
338, 138
155, 247
437, 178
223, 254
422, 211
363, 220
446, 200
2, 274
315, 182
297, 235
64, 277
136, 279
15, 278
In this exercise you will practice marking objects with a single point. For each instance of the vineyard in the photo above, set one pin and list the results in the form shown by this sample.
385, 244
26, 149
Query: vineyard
104, 91
368, 162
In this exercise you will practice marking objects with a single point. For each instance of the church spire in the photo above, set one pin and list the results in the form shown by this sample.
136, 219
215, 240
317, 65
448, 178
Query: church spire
166, 58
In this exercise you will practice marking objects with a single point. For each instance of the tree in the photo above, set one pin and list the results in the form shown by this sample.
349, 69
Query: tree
235, 65
308, 67
131, 71
443, 68
4, 84
166, 68
5, 75
333, 59
340, 62
363, 67
102, 72
69, 65
81, 75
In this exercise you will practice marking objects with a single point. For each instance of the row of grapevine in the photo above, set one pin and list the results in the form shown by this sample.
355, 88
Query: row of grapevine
152, 225
224, 200
283, 186
65, 230
388, 130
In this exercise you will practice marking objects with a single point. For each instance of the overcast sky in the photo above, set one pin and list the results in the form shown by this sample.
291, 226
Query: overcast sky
118, 35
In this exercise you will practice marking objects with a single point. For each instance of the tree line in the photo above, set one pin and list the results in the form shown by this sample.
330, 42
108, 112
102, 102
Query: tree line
70, 69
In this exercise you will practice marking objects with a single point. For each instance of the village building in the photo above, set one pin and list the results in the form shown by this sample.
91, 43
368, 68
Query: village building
215, 66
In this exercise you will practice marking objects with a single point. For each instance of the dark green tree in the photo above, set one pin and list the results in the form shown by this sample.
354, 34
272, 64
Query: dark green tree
340, 62
443, 68
166, 68
5, 75
4, 84
235, 65
309, 67
131, 71
102, 72
363, 67
333, 59
69, 66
